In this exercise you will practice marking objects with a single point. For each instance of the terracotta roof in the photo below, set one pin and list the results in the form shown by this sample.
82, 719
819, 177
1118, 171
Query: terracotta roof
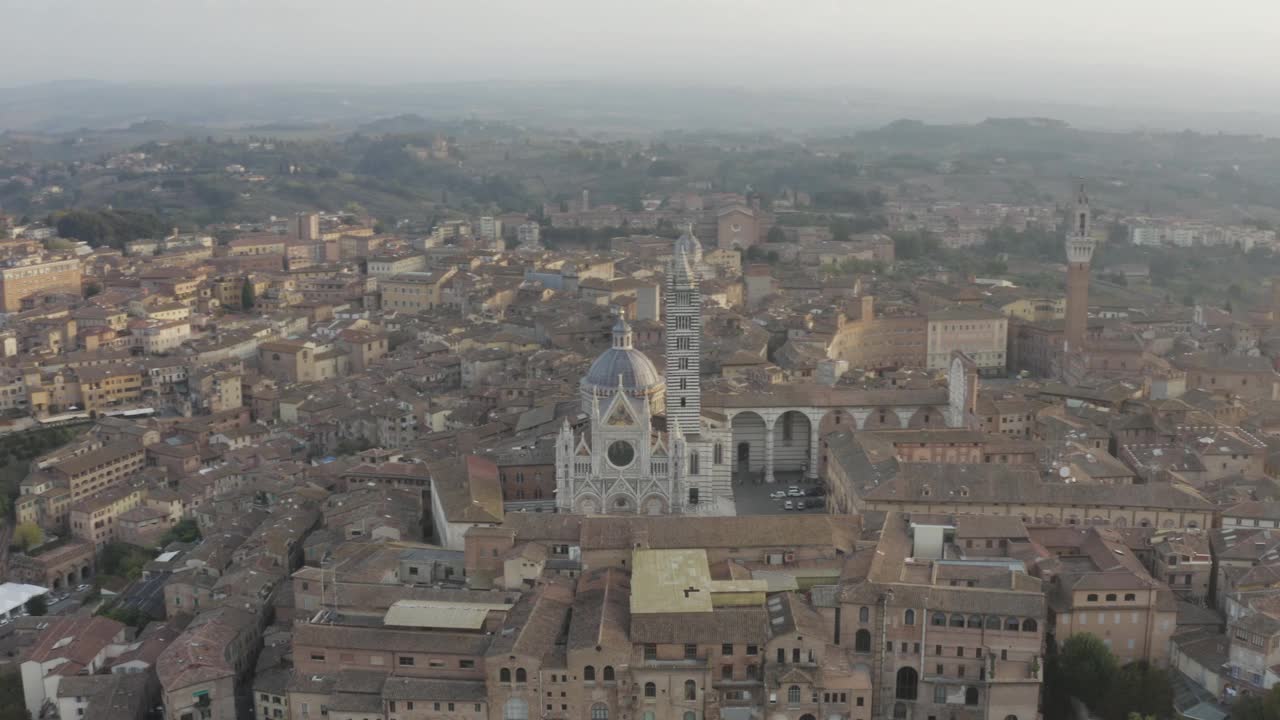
77, 638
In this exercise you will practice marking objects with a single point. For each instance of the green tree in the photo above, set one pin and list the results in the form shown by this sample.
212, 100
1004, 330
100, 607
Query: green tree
776, 235
124, 560
840, 230
186, 531
28, 535
916, 245
1258, 707
37, 606
666, 168
12, 702
247, 298
1084, 669
1140, 689
995, 266
131, 616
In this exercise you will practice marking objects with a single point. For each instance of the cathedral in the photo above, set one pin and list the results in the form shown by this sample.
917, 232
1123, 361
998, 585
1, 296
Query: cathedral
649, 449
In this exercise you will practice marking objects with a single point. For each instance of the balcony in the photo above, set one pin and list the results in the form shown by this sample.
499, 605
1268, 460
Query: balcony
750, 686
1017, 668
675, 664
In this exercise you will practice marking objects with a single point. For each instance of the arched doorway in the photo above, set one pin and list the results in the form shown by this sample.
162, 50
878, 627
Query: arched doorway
620, 504
748, 440
791, 445
882, 418
905, 687
927, 417
654, 505
515, 709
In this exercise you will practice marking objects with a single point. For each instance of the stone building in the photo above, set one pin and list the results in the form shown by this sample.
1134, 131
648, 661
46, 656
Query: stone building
629, 461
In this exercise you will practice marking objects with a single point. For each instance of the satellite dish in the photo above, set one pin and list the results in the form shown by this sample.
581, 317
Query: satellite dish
1064, 472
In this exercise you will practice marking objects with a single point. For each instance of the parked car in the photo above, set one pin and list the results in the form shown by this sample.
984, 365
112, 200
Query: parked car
795, 492
83, 588
788, 505
778, 494
800, 505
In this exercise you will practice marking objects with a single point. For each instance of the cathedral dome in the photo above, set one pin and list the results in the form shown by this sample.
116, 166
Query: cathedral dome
634, 368
622, 363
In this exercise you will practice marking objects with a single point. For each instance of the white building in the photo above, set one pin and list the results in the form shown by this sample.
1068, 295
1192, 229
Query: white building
529, 235
490, 229
14, 596
622, 464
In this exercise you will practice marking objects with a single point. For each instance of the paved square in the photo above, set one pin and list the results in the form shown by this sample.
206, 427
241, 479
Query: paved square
751, 496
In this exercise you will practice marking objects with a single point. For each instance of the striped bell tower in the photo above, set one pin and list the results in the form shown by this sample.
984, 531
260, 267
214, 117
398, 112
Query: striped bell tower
684, 335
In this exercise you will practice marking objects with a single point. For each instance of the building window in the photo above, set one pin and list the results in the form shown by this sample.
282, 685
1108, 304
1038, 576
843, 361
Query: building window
650, 690
599, 711
1029, 625
690, 652
521, 675
862, 641
909, 617
504, 675
971, 696
939, 620
793, 695
589, 674
690, 690
905, 687
864, 614
940, 694
608, 673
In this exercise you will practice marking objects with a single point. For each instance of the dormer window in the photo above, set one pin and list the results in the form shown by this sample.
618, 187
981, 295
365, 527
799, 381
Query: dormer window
925, 491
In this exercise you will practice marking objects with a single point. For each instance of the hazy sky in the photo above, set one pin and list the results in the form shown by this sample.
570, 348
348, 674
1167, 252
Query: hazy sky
1167, 52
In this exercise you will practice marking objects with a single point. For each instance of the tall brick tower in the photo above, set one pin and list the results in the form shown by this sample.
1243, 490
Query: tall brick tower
1080, 246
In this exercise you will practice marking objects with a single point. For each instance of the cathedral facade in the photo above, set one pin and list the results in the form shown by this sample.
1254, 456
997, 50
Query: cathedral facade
649, 449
